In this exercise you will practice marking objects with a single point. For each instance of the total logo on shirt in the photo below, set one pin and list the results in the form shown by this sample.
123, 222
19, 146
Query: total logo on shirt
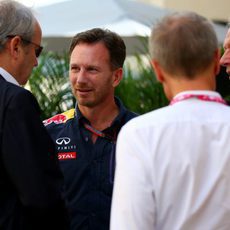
67, 156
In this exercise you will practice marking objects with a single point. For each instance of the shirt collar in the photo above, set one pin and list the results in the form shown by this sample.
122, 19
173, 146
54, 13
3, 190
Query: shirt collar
8, 77
199, 92
122, 112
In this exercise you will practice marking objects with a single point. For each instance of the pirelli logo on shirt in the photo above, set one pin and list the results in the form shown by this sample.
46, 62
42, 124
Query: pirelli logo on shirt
67, 156
66, 150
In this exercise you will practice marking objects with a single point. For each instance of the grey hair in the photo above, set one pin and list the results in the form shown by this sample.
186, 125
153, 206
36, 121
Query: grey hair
15, 19
184, 43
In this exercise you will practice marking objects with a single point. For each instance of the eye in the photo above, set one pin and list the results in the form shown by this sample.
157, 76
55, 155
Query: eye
92, 70
74, 68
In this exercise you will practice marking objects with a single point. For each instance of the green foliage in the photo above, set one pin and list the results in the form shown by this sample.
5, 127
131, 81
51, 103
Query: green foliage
139, 90
141, 93
50, 84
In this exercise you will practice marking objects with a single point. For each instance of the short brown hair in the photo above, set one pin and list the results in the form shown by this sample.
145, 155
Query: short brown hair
112, 41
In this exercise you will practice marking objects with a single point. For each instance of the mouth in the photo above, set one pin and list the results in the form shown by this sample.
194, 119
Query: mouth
83, 92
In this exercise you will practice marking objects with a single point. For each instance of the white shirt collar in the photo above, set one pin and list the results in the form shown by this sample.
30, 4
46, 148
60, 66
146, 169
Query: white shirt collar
195, 92
8, 77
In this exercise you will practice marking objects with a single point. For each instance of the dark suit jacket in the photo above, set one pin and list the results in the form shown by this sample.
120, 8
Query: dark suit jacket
30, 179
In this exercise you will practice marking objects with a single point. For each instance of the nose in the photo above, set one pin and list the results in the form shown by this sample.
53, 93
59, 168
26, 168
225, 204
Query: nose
81, 77
225, 59
36, 62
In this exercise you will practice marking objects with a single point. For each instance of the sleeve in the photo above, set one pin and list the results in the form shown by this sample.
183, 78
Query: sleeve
31, 163
133, 203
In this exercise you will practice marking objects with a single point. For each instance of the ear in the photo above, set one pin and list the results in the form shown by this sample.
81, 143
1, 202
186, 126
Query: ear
117, 76
14, 46
158, 71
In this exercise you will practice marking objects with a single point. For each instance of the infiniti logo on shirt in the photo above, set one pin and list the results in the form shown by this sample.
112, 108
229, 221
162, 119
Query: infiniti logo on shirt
63, 140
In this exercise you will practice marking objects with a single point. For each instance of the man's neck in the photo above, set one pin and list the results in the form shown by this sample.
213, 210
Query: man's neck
100, 117
195, 84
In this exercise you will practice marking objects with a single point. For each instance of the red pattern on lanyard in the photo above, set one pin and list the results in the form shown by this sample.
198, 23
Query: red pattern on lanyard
98, 132
198, 96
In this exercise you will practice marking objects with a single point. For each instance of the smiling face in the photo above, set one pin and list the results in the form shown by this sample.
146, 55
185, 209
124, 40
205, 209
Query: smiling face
225, 59
91, 75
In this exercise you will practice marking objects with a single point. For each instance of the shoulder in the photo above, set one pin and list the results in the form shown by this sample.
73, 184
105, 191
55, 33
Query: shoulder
149, 119
124, 112
60, 118
17, 96
10, 89
130, 114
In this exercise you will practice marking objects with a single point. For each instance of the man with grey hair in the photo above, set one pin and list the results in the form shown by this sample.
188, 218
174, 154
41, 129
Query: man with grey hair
30, 179
225, 59
173, 163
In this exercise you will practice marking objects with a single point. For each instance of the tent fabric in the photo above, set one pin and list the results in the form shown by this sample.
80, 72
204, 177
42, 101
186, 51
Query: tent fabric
129, 18
70, 17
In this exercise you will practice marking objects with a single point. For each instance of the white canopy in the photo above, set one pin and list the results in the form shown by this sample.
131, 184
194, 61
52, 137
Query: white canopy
61, 21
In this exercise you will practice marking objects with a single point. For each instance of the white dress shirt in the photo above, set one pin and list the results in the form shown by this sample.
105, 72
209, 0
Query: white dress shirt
173, 168
8, 77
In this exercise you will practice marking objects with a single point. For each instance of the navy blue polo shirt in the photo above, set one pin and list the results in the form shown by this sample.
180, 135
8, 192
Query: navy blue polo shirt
88, 167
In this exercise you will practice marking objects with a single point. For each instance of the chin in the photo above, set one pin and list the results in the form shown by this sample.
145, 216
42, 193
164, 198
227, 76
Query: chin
24, 80
83, 102
23, 83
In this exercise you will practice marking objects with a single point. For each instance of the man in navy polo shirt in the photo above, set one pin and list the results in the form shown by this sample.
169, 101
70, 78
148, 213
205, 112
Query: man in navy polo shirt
86, 136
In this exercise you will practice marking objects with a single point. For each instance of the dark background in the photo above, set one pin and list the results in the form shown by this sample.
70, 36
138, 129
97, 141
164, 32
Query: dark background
223, 83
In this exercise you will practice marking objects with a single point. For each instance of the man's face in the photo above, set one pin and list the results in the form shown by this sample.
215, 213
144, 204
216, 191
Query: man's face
225, 59
28, 59
91, 75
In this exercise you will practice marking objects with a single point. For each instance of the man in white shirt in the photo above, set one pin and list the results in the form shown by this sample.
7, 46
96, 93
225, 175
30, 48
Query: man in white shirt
173, 163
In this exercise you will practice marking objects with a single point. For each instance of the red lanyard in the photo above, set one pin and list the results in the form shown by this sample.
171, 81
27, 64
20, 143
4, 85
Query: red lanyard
98, 132
202, 97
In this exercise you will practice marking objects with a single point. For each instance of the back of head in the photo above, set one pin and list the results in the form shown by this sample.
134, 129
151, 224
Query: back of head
184, 44
15, 19
112, 41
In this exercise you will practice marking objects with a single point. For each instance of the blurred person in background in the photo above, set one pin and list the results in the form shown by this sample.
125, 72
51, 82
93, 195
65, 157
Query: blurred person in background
222, 81
225, 59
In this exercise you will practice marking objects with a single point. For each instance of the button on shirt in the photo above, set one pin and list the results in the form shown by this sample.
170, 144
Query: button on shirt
173, 168
88, 168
